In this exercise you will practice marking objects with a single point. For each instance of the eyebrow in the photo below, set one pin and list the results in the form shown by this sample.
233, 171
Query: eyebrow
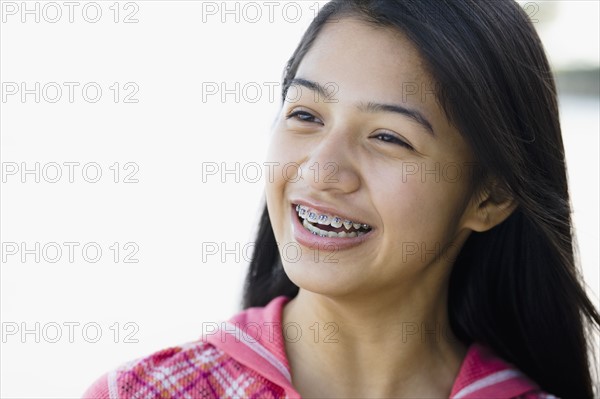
370, 106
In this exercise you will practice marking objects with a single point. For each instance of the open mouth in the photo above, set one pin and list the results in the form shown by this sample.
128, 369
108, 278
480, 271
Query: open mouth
331, 226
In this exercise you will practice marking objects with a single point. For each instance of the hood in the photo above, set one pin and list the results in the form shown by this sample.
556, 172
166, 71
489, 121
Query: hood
254, 338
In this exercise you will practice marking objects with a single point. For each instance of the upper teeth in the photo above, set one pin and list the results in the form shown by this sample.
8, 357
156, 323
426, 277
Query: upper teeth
335, 221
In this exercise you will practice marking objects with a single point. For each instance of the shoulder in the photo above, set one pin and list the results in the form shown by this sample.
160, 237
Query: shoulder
483, 374
197, 369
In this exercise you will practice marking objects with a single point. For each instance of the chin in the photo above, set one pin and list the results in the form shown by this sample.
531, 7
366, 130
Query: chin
322, 277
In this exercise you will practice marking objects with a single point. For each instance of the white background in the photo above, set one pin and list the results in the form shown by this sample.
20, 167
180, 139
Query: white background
170, 133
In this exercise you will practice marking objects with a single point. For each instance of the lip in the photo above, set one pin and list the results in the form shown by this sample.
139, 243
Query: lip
314, 241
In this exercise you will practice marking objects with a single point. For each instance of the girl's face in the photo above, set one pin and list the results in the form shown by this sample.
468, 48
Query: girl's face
374, 148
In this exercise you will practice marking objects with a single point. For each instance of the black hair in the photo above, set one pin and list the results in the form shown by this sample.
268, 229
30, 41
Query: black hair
515, 288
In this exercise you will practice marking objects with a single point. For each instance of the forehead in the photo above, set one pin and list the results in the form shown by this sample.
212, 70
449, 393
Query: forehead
372, 64
367, 62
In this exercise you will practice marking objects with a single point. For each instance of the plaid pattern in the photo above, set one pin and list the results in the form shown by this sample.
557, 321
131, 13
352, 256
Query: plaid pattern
219, 366
193, 371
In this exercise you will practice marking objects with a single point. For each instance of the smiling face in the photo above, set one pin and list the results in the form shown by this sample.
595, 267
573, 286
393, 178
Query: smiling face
378, 151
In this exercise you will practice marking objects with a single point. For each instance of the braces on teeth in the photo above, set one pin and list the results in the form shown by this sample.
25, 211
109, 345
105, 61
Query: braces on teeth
311, 218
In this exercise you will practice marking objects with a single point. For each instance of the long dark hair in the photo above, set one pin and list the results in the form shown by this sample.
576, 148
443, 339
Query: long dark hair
514, 288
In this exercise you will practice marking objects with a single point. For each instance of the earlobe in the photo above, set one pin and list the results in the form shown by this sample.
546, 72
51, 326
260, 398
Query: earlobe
490, 208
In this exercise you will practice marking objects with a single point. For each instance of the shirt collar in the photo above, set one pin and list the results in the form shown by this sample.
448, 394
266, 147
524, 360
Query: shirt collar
483, 374
254, 338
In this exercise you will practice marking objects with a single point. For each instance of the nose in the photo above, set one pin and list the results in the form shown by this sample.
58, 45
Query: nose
331, 164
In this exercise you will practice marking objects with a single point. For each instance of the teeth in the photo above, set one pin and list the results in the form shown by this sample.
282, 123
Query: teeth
326, 220
331, 234
309, 226
302, 212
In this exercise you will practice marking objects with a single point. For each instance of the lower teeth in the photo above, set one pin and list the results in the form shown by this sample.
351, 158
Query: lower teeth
323, 233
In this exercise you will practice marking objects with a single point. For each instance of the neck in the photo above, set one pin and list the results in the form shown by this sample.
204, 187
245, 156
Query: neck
393, 344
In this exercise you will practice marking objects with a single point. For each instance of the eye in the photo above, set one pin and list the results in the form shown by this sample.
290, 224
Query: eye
303, 116
390, 138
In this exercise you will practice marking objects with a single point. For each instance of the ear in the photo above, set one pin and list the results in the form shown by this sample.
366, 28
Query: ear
489, 207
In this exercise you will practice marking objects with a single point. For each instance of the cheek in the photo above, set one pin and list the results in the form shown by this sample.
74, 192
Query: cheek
283, 157
281, 170
277, 147
417, 209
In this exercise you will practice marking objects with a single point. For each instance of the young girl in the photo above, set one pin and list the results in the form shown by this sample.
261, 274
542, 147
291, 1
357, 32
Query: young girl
430, 213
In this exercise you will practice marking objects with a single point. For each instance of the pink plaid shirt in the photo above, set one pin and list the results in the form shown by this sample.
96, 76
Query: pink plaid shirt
245, 358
